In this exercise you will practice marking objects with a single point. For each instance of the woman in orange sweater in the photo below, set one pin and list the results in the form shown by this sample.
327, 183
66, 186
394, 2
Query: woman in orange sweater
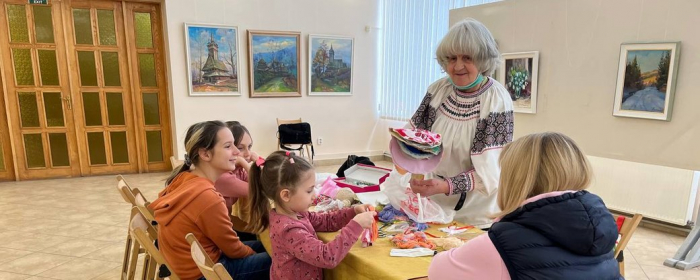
189, 203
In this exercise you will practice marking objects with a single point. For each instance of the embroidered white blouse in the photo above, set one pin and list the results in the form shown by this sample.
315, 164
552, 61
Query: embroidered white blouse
474, 128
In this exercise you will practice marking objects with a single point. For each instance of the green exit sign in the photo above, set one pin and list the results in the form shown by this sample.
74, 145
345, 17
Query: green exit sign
39, 2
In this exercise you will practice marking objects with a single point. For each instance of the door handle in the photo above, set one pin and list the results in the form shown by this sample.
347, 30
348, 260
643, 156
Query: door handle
69, 101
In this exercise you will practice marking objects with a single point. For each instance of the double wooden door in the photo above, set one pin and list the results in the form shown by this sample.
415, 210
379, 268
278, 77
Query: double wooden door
84, 89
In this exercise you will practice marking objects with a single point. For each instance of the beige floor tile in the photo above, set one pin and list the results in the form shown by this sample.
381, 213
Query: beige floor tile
35, 242
13, 276
41, 278
108, 233
77, 247
35, 263
112, 274
84, 268
668, 273
111, 253
633, 271
7, 255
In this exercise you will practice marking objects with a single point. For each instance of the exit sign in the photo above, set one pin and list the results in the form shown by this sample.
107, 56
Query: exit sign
40, 2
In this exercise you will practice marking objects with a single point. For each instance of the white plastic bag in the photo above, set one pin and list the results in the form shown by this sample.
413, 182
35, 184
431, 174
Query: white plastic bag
420, 209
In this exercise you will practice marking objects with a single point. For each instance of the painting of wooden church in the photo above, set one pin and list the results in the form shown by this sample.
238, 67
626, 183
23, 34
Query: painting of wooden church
212, 60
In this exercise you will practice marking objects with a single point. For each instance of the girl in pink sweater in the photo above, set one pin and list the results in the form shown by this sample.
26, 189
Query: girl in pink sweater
288, 180
233, 185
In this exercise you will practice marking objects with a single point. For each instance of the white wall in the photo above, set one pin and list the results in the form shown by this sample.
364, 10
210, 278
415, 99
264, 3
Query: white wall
579, 45
345, 123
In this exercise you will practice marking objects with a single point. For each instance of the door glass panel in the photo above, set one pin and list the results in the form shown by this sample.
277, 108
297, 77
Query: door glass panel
43, 25
155, 146
34, 150
59, 149
88, 73
150, 109
53, 108
105, 21
120, 152
83, 29
110, 68
17, 16
48, 67
144, 36
24, 74
28, 109
115, 108
147, 69
96, 146
91, 108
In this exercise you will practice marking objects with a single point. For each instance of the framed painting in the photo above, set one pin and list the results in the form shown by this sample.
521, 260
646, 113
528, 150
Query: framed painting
646, 80
273, 63
519, 75
212, 59
330, 65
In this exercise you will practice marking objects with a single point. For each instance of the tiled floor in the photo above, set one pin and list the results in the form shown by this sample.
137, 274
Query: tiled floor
75, 229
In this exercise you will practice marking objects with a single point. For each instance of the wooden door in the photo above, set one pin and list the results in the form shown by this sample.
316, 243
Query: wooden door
101, 87
37, 92
143, 25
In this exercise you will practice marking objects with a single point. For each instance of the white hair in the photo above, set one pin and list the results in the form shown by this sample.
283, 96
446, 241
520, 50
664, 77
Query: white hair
472, 38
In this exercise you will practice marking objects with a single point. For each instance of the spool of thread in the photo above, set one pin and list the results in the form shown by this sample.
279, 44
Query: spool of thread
417, 176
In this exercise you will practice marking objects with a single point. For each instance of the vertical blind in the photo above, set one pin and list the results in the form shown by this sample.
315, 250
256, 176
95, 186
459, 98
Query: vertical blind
411, 31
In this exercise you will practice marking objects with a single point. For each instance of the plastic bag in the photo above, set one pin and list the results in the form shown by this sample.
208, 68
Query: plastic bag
419, 209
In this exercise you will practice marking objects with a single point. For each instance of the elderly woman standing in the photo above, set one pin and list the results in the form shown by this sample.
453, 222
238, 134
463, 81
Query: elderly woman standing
474, 115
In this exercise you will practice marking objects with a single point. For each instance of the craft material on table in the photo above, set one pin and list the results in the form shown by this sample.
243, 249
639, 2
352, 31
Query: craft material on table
417, 252
412, 240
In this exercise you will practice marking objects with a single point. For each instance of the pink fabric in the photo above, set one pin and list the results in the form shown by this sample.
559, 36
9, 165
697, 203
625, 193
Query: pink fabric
477, 259
232, 185
296, 251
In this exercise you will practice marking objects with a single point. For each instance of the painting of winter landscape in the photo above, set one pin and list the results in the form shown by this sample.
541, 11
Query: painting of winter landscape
212, 59
330, 65
646, 80
274, 63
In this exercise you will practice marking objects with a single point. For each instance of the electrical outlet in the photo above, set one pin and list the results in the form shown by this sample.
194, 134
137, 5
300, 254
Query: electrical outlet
320, 141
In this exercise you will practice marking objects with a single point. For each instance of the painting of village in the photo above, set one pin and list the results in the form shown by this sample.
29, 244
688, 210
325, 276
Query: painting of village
330, 65
274, 63
646, 76
212, 59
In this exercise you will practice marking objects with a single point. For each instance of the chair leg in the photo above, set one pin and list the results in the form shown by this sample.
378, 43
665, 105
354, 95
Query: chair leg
126, 261
622, 268
133, 258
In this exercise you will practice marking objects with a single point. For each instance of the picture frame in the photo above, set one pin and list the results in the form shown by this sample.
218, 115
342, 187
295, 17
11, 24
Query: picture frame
646, 80
212, 60
519, 75
330, 65
274, 63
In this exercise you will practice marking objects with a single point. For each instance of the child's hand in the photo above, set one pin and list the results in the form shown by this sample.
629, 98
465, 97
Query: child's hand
361, 208
365, 219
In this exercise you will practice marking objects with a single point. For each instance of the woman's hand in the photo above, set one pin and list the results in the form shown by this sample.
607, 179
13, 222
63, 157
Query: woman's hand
253, 157
430, 187
242, 163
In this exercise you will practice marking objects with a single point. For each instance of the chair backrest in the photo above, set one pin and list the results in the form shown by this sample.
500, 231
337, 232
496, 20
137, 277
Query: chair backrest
210, 270
279, 122
126, 191
135, 197
628, 228
142, 231
175, 163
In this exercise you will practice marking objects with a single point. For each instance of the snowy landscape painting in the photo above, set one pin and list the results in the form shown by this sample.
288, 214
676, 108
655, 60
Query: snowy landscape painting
646, 79
273, 61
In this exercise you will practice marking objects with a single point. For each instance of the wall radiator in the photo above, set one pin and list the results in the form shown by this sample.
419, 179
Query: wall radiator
661, 193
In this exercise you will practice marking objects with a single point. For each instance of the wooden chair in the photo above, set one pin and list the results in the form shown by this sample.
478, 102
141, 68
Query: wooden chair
139, 204
142, 232
308, 155
211, 270
626, 230
175, 163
